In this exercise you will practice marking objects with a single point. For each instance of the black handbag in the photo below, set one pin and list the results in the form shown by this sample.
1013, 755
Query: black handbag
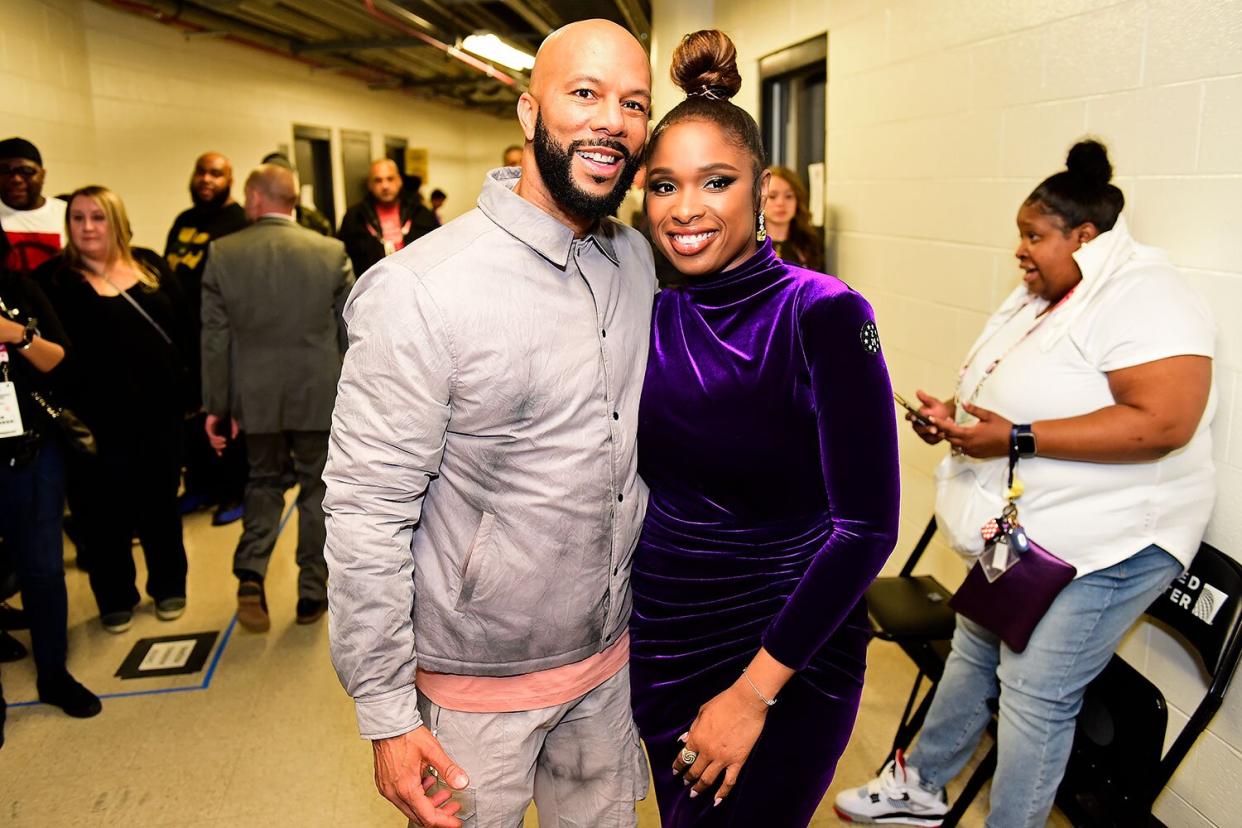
71, 429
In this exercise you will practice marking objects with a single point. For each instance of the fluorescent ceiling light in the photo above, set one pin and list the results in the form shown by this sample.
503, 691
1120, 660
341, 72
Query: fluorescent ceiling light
490, 47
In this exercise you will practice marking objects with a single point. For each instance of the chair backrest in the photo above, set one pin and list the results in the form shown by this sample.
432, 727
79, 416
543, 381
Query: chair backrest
1117, 745
1116, 769
1204, 606
929, 532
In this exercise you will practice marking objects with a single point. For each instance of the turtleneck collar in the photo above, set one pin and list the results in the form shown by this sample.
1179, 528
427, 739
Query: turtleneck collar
759, 270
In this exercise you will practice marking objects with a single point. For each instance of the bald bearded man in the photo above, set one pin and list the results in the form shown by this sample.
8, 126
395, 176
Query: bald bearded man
483, 497
385, 221
213, 480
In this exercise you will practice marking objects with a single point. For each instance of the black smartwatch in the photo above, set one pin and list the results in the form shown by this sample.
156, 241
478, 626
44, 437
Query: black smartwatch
28, 335
1022, 441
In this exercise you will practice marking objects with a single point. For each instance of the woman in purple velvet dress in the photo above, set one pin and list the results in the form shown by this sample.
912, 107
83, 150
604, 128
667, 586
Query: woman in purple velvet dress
768, 439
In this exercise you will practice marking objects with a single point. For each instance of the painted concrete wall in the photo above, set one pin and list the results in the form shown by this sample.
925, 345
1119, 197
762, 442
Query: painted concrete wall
942, 116
114, 99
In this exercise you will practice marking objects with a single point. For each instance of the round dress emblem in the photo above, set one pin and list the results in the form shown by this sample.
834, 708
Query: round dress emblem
870, 338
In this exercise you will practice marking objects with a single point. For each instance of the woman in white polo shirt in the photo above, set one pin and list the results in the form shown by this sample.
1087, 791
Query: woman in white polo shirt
1099, 369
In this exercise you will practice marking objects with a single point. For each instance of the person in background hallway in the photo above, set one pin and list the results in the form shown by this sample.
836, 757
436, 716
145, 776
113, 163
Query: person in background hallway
483, 495
1097, 370
768, 438
211, 480
34, 223
795, 240
385, 221
272, 343
127, 380
438, 197
511, 157
32, 479
35, 228
631, 210
307, 216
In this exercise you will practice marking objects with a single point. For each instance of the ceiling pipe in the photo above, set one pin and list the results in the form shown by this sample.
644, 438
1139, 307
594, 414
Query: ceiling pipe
637, 20
192, 22
451, 51
542, 23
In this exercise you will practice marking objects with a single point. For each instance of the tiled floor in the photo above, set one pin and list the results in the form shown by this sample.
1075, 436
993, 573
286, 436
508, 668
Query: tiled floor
271, 741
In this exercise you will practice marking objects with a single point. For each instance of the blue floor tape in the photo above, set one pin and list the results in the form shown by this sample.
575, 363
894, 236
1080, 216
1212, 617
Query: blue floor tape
211, 668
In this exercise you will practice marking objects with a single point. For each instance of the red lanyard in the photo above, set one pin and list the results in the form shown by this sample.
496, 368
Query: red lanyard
987, 372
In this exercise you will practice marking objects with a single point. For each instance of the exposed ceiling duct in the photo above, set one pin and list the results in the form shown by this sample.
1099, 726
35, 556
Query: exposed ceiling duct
410, 45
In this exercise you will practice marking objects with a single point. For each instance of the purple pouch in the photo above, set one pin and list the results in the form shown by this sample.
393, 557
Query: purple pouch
1012, 605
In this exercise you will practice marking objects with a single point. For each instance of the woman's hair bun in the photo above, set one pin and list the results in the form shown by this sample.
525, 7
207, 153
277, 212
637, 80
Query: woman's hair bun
705, 62
1089, 160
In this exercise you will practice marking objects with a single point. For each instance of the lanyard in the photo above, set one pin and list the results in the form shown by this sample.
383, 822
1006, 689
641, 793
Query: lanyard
987, 372
405, 229
4, 348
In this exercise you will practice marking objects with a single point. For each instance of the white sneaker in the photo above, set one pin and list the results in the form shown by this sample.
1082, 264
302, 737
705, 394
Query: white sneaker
893, 798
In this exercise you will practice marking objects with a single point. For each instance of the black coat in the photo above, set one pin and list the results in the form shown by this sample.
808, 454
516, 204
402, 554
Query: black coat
360, 230
122, 375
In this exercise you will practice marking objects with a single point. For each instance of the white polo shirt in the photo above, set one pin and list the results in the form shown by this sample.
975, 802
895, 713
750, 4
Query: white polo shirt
1132, 307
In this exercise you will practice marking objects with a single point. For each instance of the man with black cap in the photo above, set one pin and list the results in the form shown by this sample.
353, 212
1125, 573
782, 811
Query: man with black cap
210, 480
35, 225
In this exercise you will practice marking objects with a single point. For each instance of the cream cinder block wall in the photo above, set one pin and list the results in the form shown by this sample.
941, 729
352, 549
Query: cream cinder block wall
942, 116
115, 99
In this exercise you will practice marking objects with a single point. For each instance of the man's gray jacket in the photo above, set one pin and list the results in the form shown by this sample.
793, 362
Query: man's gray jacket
483, 494
273, 335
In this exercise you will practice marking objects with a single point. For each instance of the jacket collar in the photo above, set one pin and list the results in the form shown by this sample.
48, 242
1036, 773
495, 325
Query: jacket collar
532, 226
1102, 260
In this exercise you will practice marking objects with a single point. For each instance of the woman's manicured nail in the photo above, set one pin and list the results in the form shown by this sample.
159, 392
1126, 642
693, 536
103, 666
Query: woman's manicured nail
717, 802
683, 737
693, 794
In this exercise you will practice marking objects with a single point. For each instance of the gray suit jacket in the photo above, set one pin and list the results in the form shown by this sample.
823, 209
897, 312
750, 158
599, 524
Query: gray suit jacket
273, 336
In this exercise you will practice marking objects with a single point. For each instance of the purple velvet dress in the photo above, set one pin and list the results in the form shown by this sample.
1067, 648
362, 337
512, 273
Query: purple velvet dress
767, 435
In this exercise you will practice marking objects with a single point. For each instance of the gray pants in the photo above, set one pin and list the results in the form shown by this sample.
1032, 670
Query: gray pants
581, 762
269, 456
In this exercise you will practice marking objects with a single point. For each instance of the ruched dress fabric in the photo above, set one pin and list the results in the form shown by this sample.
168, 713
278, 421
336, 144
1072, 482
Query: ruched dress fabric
767, 435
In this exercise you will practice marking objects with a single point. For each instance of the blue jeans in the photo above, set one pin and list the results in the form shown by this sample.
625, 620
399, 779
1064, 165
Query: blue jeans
1040, 689
32, 501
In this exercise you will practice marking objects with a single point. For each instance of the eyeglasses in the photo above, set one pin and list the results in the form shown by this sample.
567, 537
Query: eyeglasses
26, 171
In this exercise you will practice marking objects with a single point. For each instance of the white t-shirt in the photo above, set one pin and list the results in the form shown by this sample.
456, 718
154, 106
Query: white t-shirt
35, 235
1132, 307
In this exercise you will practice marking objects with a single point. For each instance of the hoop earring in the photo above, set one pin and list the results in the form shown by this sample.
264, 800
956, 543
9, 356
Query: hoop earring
762, 233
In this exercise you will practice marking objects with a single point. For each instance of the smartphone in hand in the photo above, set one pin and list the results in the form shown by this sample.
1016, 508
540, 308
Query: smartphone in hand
918, 418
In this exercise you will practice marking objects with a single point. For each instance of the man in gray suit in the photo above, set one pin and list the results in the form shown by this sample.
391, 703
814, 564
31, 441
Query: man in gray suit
273, 339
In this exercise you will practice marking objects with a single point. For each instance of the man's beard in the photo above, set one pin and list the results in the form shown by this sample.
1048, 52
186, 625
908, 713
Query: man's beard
214, 203
556, 168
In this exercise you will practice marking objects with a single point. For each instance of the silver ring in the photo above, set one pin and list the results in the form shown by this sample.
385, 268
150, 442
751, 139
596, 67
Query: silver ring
688, 756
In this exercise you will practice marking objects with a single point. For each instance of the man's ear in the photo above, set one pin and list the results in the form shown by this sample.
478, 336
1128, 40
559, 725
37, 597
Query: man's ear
528, 114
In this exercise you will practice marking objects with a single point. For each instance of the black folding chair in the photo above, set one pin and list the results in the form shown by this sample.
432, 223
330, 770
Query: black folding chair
913, 612
1117, 769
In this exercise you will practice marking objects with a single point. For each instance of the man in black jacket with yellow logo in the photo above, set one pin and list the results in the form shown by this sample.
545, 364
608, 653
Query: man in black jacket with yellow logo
385, 221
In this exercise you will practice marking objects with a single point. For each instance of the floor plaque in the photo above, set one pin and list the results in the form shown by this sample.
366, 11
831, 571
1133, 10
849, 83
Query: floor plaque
169, 655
